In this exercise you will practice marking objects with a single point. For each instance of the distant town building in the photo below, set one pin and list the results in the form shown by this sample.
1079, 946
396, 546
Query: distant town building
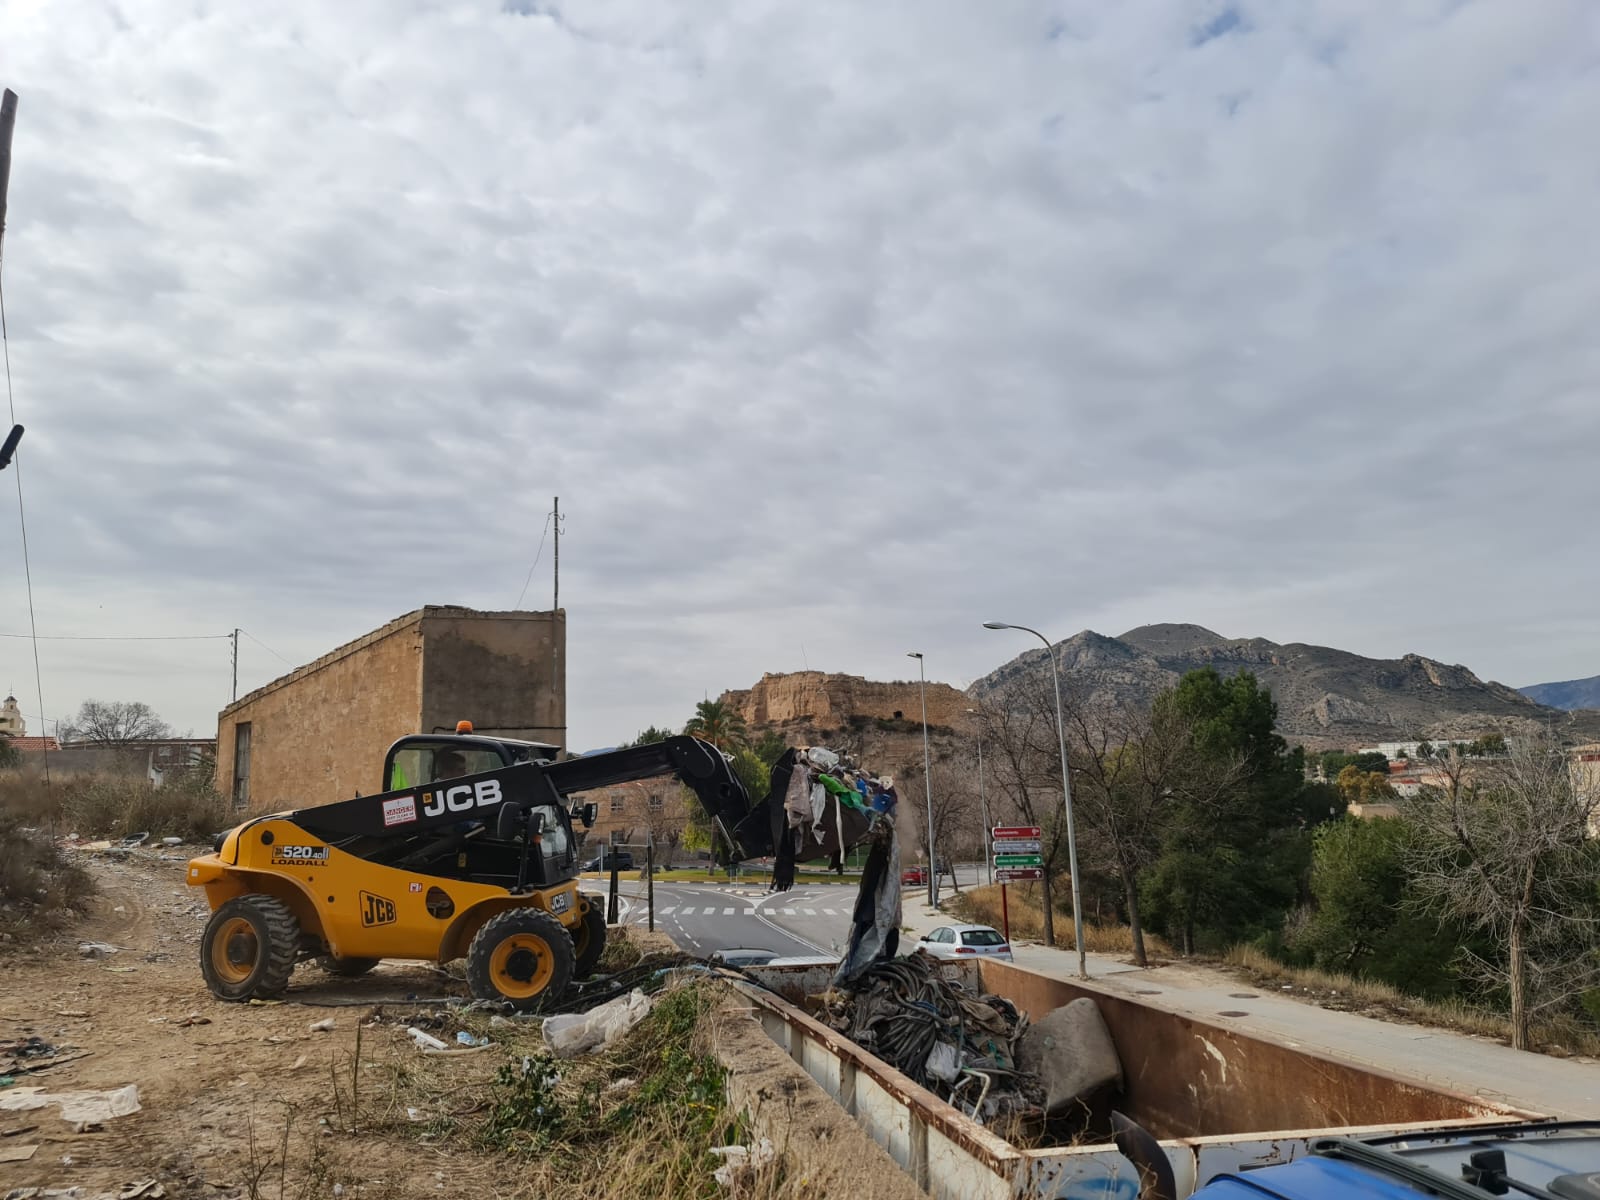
319, 733
11, 722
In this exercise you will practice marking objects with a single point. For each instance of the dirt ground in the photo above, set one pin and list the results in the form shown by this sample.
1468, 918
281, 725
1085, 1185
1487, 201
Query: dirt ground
245, 1101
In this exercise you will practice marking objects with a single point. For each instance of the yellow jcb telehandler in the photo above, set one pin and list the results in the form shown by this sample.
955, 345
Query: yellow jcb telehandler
479, 861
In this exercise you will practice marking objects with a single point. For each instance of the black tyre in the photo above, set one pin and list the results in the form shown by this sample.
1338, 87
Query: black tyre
589, 938
346, 968
523, 956
249, 948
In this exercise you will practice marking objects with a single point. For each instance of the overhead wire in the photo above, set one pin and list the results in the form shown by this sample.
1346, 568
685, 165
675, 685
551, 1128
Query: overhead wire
16, 461
529, 580
265, 647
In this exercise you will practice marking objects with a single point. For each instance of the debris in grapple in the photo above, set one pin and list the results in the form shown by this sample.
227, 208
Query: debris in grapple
960, 1045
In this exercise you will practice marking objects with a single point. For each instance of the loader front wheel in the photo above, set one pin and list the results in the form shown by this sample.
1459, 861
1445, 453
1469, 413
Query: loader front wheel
523, 956
249, 947
589, 938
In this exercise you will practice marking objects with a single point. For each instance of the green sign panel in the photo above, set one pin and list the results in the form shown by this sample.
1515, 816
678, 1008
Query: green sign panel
1018, 860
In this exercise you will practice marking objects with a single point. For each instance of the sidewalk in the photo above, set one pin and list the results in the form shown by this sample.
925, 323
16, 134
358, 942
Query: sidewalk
1565, 1088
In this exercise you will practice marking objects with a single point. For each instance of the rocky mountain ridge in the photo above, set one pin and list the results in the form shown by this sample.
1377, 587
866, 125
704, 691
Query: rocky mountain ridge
1326, 697
1567, 694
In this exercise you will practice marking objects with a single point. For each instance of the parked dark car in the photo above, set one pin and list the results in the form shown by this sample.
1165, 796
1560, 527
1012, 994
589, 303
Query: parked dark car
602, 862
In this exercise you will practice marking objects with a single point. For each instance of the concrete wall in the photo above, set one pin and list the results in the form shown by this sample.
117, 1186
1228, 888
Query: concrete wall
494, 669
319, 733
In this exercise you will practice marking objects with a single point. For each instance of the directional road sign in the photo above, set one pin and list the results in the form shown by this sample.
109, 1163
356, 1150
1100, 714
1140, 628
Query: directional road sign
1016, 831
1018, 860
1018, 846
1018, 874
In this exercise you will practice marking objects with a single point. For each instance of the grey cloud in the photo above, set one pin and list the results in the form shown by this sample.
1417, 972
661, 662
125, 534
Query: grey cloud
845, 328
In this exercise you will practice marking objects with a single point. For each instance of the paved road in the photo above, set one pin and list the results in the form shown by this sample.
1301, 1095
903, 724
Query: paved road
703, 917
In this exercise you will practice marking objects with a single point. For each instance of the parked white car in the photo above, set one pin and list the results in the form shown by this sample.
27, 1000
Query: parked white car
952, 941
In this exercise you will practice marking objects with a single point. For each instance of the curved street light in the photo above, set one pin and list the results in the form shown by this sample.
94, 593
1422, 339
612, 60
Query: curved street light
1066, 792
927, 780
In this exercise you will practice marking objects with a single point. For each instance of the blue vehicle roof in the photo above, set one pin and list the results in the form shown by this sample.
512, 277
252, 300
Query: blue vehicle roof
1459, 1163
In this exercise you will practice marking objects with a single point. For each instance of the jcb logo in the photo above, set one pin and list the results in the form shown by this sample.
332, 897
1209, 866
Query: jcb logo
375, 910
461, 798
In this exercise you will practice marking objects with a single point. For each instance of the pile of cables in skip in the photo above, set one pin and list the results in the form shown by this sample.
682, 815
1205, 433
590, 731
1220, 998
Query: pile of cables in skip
958, 1044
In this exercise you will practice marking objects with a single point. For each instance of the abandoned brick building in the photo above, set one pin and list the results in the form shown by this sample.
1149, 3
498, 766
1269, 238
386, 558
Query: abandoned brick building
319, 733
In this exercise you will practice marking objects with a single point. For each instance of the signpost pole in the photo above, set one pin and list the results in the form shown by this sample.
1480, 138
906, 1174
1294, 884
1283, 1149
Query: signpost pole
650, 874
1005, 913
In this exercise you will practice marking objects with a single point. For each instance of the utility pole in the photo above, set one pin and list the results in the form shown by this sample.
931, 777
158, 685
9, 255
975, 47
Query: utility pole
558, 715
236, 664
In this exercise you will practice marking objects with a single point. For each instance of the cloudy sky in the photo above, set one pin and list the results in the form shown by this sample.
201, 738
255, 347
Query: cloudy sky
838, 329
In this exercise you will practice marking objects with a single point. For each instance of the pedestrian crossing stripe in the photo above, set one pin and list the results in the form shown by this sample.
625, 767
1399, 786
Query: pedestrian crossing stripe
666, 911
810, 912
788, 912
727, 912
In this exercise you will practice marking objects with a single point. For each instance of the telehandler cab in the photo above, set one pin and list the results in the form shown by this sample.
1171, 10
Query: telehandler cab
470, 852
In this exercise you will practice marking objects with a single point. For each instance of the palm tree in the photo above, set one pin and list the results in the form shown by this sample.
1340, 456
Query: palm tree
719, 723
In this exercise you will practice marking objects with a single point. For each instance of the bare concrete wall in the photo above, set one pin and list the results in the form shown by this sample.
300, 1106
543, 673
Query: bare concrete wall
495, 669
319, 733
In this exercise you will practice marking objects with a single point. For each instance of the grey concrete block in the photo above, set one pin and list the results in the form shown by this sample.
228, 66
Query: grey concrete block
1072, 1053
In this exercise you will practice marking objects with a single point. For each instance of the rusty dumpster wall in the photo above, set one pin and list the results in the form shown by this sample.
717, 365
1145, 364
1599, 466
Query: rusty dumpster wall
1188, 1078
954, 1158
318, 734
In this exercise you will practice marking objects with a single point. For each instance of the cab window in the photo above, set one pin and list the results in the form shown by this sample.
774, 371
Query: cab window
420, 763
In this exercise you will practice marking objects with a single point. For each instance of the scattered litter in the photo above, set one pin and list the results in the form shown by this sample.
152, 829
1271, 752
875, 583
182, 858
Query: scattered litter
171, 841
192, 1019
467, 1039
17, 1153
120, 970
120, 908
460, 1050
97, 949
71, 1012
621, 1085
28, 1047
79, 1108
499, 1022
571, 1034
416, 1114
323, 1026
298, 1063
425, 1040
136, 839
18, 1132
258, 1002
741, 1161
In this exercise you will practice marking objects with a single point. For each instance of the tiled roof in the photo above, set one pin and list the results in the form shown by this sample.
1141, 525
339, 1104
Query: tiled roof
35, 743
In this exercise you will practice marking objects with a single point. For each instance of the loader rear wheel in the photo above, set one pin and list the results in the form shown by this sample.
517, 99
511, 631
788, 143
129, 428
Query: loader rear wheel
522, 955
346, 968
249, 948
589, 938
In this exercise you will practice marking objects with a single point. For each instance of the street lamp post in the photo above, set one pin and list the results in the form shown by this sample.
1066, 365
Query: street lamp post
927, 780
1066, 791
983, 807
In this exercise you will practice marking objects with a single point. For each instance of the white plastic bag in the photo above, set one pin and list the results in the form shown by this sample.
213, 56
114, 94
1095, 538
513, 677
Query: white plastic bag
943, 1063
572, 1034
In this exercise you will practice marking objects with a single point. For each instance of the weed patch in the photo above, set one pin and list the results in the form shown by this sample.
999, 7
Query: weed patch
637, 1120
40, 890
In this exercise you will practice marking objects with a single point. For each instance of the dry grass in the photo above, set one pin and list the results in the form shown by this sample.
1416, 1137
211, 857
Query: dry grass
981, 905
112, 807
39, 890
635, 1121
1328, 989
